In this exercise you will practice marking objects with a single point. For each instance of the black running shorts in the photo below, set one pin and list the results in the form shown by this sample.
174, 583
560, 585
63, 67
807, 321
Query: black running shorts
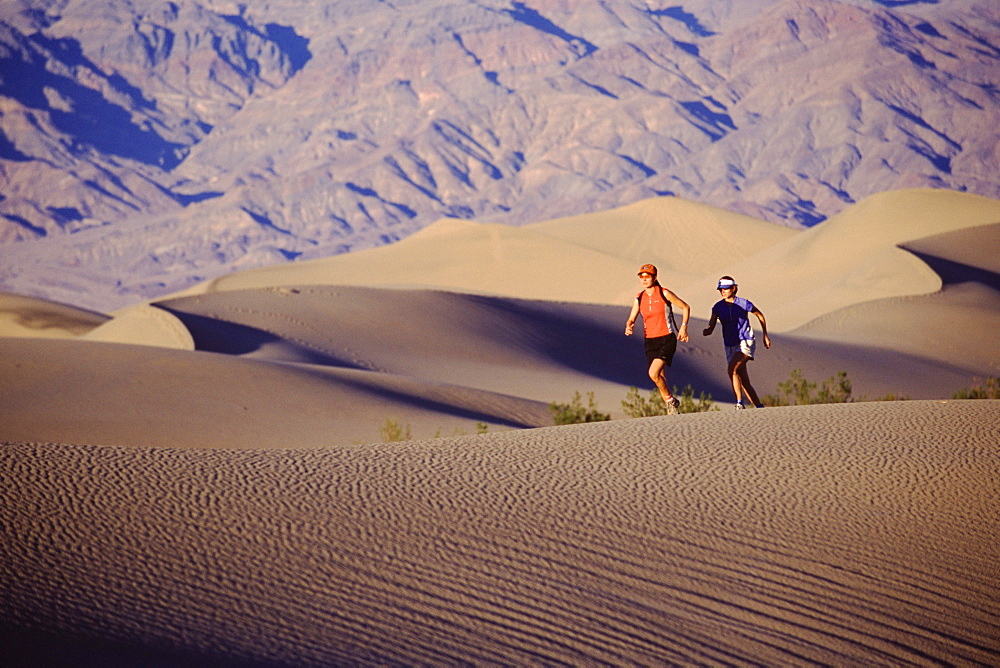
661, 348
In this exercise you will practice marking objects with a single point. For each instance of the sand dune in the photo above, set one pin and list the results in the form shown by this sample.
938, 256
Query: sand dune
318, 366
840, 535
682, 238
542, 351
956, 325
201, 479
854, 257
112, 394
39, 318
851, 259
462, 256
143, 325
589, 258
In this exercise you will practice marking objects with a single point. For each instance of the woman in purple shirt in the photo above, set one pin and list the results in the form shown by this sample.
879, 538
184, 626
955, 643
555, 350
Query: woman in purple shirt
737, 336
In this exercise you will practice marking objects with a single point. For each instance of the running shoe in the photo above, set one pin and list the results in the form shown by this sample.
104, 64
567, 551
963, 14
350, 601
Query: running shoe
672, 406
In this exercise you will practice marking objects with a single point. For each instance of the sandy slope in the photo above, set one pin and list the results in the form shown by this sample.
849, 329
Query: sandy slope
112, 394
854, 257
956, 325
39, 318
850, 259
682, 238
840, 534
318, 366
543, 351
445, 361
142, 324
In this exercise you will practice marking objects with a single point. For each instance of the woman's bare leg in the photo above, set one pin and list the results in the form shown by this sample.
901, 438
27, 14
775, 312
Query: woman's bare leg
658, 374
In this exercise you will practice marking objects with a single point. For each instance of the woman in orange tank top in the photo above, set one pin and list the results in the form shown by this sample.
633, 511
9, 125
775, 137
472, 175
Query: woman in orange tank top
655, 304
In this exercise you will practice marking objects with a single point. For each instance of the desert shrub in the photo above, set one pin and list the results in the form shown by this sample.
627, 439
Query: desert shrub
892, 396
835, 390
481, 428
635, 405
689, 404
575, 413
798, 391
989, 389
392, 432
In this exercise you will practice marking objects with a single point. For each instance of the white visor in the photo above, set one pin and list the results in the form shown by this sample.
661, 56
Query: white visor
725, 283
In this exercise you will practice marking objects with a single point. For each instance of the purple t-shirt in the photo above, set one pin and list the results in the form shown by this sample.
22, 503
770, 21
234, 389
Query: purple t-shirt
735, 319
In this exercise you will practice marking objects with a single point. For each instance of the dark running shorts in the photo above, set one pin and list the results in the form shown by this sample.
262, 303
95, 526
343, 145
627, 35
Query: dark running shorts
661, 348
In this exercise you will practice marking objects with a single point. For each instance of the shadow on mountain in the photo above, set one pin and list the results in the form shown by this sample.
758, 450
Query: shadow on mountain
26, 224
8, 151
891, 4
715, 124
689, 20
293, 46
531, 17
84, 114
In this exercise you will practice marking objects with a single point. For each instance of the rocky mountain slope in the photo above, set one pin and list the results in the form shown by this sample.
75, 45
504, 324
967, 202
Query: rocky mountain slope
148, 145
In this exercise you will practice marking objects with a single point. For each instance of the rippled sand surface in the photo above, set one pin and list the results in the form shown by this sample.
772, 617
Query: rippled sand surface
856, 534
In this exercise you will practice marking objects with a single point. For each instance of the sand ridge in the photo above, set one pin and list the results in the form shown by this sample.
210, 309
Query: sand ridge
322, 365
837, 534
850, 259
22, 316
145, 325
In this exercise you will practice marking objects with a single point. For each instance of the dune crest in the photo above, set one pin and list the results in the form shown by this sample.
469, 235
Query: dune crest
22, 316
681, 237
852, 258
956, 325
143, 325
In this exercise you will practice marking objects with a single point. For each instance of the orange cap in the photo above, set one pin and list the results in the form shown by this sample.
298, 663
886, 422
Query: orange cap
648, 269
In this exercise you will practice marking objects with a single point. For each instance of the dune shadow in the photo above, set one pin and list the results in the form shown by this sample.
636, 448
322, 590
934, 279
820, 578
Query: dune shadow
590, 339
424, 402
218, 336
952, 272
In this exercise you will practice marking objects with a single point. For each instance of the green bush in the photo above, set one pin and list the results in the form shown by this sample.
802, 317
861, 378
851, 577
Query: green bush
797, 391
575, 413
892, 396
635, 405
978, 391
392, 432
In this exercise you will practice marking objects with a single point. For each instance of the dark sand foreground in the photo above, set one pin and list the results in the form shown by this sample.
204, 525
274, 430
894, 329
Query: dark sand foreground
861, 534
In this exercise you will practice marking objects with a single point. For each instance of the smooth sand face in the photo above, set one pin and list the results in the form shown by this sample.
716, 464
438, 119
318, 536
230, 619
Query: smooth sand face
840, 534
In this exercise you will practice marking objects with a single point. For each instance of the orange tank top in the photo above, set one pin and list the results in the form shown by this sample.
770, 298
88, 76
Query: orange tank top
654, 310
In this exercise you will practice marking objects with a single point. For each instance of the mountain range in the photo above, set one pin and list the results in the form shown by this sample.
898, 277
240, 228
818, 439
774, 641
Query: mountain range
147, 146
